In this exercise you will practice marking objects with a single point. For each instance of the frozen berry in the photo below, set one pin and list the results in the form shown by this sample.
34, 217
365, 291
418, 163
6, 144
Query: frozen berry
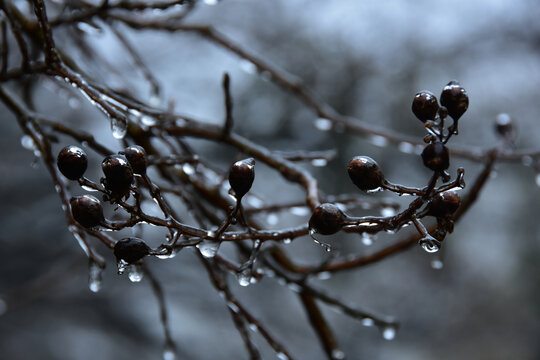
241, 176
72, 162
504, 126
444, 204
136, 156
365, 173
455, 99
130, 250
425, 106
118, 174
327, 219
436, 156
86, 210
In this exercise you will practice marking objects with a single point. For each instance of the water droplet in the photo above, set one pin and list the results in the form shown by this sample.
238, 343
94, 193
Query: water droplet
118, 127
272, 219
208, 248
188, 169
367, 321
429, 246
135, 273
327, 247
437, 264
300, 211
169, 351
154, 100
379, 141
388, 211
148, 121
389, 332
211, 2
367, 239
253, 327
122, 266
406, 147
323, 124
57, 188
233, 306
244, 277
294, 287
527, 160
88, 188
27, 142
95, 275
88, 28
325, 275
286, 241
282, 356
338, 354
375, 190
319, 162
248, 66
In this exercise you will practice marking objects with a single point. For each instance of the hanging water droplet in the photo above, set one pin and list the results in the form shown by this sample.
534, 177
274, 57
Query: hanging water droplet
437, 264
88, 188
338, 354
388, 211
233, 306
148, 121
95, 275
211, 2
323, 124
325, 275
208, 248
379, 141
27, 142
122, 266
272, 219
429, 246
406, 147
286, 241
367, 239
188, 169
57, 188
327, 247
389, 332
375, 190
253, 327
367, 321
319, 162
282, 356
244, 277
248, 66
300, 211
169, 351
135, 273
118, 127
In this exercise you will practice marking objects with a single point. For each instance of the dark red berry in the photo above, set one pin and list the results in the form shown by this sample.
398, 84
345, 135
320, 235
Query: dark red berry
86, 210
130, 250
365, 173
118, 174
436, 156
72, 162
444, 204
327, 219
136, 156
425, 106
241, 176
455, 99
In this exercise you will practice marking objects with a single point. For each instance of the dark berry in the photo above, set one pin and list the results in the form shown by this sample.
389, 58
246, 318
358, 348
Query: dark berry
118, 174
436, 156
72, 162
86, 210
130, 250
444, 204
365, 173
136, 156
327, 219
455, 99
241, 176
425, 106
504, 126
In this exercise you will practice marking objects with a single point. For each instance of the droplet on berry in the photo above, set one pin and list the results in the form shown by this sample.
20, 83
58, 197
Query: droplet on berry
241, 176
327, 219
365, 173
86, 210
455, 99
72, 162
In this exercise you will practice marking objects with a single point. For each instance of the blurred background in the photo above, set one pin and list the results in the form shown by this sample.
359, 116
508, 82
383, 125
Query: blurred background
367, 60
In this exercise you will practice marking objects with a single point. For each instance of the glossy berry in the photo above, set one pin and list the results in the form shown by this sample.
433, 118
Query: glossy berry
327, 219
455, 99
365, 173
136, 156
86, 210
425, 106
130, 250
444, 204
241, 176
436, 156
118, 174
72, 162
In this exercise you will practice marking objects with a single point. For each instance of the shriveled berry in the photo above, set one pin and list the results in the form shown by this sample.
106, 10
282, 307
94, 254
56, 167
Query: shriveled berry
425, 106
365, 173
130, 250
86, 210
455, 99
444, 204
118, 174
72, 162
136, 156
327, 219
241, 176
436, 156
